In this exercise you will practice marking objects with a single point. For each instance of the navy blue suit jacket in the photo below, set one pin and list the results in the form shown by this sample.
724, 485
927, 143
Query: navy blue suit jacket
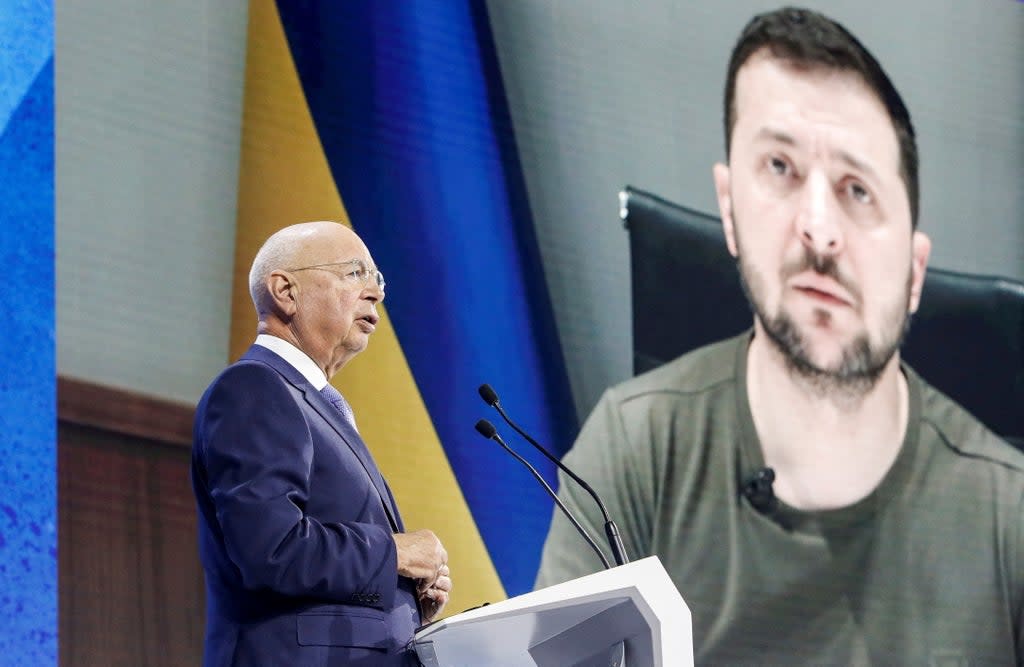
295, 526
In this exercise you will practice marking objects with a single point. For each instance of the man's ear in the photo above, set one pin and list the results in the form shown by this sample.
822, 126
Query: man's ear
920, 250
283, 292
723, 191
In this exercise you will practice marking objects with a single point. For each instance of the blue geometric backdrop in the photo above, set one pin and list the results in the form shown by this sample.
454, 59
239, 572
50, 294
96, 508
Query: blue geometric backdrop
28, 525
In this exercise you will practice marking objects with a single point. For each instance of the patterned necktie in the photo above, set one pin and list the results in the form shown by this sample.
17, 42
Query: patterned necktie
335, 398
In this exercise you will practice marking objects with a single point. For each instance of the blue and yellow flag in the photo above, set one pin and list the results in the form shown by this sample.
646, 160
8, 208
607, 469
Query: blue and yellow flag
391, 117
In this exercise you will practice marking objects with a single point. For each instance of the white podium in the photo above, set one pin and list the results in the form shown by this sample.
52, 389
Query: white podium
633, 609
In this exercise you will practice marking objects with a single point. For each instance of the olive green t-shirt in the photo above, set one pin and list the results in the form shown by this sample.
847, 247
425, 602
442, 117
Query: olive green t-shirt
928, 569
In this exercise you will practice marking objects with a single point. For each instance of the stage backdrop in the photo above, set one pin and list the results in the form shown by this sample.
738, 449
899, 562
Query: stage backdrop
391, 117
28, 536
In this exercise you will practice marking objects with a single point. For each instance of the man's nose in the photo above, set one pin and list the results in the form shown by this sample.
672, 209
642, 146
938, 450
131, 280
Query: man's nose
373, 291
818, 219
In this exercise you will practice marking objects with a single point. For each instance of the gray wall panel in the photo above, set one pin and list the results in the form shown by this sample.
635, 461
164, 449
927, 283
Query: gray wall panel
148, 128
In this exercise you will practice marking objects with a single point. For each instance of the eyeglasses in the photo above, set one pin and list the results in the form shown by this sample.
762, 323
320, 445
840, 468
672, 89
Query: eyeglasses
354, 270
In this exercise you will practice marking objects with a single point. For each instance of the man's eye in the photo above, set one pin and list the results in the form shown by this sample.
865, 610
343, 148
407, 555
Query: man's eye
859, 193
357, 272
778, 165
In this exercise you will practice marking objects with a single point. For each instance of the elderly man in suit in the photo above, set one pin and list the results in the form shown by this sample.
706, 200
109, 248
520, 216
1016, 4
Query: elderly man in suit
306, 558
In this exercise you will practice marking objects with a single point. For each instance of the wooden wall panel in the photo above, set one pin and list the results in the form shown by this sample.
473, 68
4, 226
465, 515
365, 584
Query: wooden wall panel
130, 582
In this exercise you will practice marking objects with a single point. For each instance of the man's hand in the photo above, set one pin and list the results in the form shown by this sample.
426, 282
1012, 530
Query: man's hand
434, 597
420, 556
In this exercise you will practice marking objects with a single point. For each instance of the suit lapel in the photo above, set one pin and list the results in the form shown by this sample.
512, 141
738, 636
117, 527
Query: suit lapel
355, 443
348, 435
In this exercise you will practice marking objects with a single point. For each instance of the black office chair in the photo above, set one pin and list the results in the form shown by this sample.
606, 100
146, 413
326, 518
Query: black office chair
967, 338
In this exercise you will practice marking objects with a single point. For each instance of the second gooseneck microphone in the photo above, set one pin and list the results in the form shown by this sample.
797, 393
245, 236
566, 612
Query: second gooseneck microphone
486, 429
610, 529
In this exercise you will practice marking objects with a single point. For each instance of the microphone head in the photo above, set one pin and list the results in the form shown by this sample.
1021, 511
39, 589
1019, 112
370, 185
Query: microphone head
486, 428
759, 491
486, 393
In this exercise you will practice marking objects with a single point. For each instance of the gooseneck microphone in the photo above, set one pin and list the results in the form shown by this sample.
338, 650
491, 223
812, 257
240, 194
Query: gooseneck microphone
610, 529
486, 429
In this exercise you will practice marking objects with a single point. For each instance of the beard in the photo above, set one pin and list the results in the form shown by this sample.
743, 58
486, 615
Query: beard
861, 360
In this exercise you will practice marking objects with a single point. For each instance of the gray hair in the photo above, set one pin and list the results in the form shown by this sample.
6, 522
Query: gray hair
277, 252
280, 251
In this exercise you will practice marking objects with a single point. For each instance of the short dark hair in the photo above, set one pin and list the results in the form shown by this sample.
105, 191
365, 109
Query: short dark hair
807, 38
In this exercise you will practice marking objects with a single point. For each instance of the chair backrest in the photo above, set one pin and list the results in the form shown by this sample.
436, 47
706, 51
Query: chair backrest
967, 338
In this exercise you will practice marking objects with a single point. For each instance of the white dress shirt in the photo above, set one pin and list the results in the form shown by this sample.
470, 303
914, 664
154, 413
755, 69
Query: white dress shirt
296, 357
